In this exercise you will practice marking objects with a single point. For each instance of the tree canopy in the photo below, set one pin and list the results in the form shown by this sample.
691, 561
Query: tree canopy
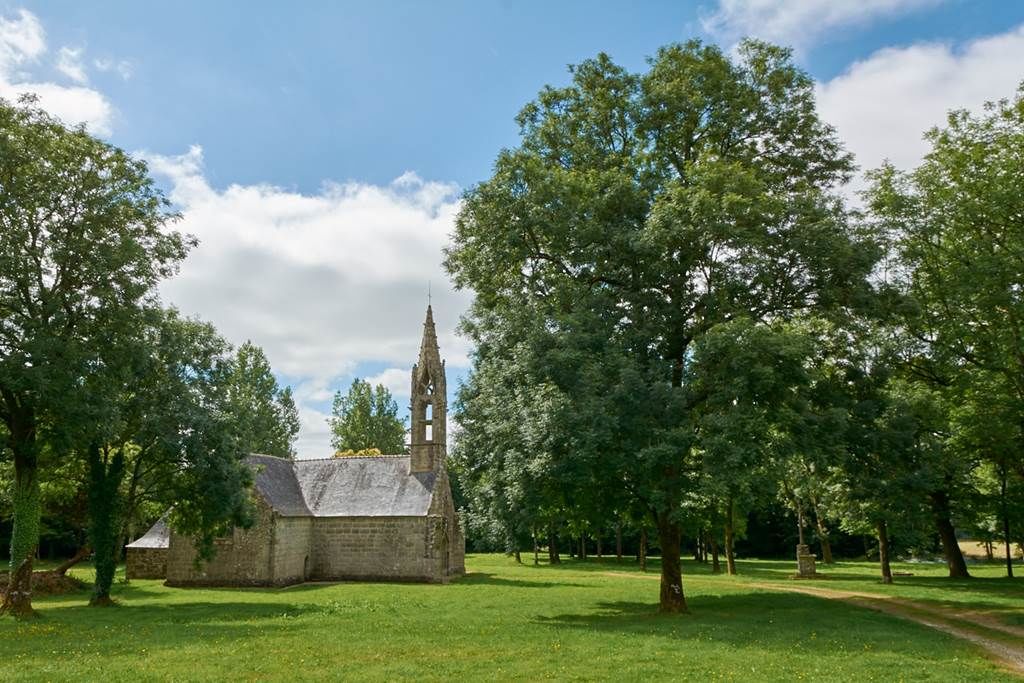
265, 414
644, 210
365, 418
103, 392
84, 240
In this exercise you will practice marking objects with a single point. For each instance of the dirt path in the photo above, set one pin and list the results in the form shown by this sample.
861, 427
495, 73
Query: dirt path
958, 623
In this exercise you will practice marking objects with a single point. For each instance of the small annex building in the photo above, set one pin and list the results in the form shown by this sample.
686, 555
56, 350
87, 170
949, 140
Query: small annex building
379, 518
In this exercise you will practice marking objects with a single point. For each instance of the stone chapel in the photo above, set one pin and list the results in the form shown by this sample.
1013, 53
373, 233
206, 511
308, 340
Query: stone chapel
377, 518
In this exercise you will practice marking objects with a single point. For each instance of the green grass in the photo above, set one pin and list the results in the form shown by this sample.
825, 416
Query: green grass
988, 589
503, 621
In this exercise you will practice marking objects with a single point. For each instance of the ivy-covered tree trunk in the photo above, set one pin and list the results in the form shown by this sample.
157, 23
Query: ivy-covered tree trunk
670, 538
24, 539
883, 552
716, 567
104, 506
26, 505
730, 555
947, 534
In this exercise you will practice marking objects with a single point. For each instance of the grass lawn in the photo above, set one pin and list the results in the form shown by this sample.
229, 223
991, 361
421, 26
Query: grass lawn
504, 621
988, 589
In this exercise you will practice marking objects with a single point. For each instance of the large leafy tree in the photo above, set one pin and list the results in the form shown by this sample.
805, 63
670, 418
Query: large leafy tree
366, 417
164, 432
267, 418
655, 207
958, 224
83, 243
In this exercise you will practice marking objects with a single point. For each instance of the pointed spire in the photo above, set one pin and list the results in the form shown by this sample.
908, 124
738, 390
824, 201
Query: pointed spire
429, 404
429, 333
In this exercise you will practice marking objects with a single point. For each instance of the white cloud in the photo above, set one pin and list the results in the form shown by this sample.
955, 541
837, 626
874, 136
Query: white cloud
323, 282
882, 106
22, 44
72, 105
22, 40
315, 434
799, 23
69, 63
124, 68
397, 380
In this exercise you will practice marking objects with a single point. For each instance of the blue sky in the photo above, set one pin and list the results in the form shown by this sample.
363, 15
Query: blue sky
318, 149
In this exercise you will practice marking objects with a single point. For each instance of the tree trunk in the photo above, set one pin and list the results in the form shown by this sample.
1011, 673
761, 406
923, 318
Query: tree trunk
716, 568
826, 547
518, 556
583, 546
104, 509
618, 541
1006, 523
18, 601
553, 557
1009, 547
536, 549
670, 537
63, 567
883, 552
950, 547
989, 552
130, 505
21, 438
598, 546
730, 555
643, 549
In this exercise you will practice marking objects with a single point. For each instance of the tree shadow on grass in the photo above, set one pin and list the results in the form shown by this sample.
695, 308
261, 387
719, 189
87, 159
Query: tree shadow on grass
474, 578
150, 627
775, 621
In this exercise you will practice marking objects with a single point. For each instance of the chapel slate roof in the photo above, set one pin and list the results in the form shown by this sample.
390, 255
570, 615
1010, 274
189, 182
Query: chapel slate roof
158, 536
275, 479
375, 486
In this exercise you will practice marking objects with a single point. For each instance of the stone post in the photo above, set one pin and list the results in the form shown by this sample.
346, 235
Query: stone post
805, 562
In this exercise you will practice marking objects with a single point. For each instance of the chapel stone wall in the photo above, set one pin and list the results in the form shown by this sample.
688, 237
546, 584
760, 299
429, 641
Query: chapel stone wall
292, 561
146, 563
242, 558
377, 548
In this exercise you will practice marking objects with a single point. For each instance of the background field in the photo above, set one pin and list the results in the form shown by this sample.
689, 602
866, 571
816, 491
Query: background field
581, 621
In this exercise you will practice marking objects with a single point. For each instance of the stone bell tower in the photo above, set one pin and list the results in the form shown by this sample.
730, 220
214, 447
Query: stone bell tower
429, 404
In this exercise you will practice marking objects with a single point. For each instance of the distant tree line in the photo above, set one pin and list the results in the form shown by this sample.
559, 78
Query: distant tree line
113, 407
681, 325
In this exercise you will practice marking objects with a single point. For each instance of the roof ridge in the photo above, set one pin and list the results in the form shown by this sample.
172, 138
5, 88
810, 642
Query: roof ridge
348, 457
264, 455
